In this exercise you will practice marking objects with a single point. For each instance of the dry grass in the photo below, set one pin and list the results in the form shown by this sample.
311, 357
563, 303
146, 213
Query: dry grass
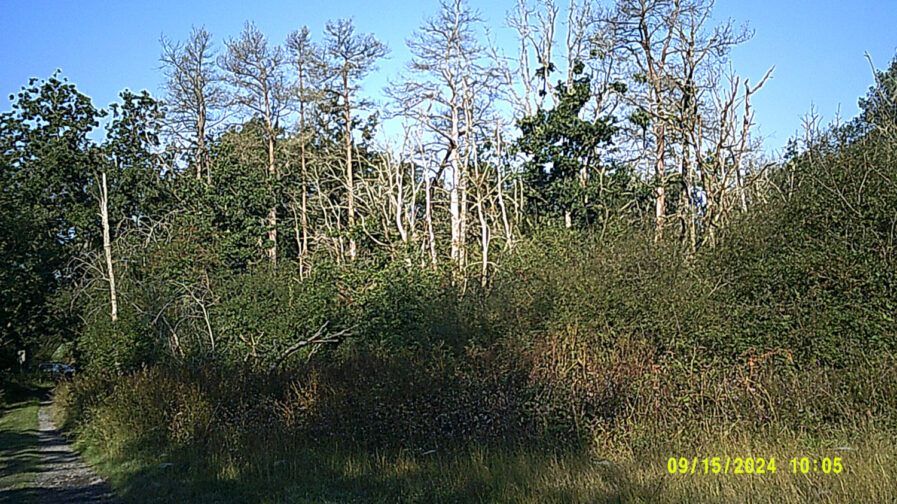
493, 475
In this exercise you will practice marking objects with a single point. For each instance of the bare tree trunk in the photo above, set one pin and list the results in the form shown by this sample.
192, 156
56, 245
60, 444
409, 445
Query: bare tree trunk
659, 188
400, 203
107, 247
462, 239
484, 241
272, 214
686, 205
431, 237
501, 204
303, 247
201, 148
350, 182
454, 194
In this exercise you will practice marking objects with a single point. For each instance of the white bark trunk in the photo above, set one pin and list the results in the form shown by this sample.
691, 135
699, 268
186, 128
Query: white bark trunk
431, 236
107, 247
454, 194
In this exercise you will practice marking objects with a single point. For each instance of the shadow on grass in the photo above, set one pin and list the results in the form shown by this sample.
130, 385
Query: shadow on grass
27, 454
80, 495
336, 476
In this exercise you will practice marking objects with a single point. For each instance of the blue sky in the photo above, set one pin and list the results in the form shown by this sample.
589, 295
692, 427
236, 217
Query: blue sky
103, 47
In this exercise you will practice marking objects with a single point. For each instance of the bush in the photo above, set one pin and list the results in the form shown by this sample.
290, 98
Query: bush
812, 272
121, 346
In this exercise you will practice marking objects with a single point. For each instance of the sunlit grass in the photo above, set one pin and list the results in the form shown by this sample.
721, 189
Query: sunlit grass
292, 472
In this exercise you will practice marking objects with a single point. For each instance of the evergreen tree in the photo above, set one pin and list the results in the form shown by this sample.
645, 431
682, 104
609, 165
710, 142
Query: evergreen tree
564, 154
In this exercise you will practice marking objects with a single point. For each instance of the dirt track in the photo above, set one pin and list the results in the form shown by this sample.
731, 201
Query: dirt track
61, 476
64, 477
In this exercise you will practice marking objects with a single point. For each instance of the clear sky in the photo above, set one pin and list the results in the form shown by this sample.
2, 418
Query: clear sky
104, 47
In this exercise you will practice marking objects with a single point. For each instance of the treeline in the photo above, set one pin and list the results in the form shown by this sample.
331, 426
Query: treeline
253, 212
588, 359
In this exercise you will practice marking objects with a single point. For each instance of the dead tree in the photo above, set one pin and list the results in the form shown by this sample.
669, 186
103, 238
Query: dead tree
351, 57
304, 55
257, 79
194, 95
107, 246
447, 74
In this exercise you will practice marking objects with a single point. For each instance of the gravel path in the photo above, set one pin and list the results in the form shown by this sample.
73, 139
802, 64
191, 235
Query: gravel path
63, 475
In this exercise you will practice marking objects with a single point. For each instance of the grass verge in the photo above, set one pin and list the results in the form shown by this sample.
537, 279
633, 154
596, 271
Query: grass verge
19, 457
201, 435
493, 475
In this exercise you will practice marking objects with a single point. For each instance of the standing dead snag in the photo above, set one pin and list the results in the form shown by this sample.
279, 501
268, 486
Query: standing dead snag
107, 246
644, 34
255, 73
193, 93
305, 61
351, 57
674, 54
448, 100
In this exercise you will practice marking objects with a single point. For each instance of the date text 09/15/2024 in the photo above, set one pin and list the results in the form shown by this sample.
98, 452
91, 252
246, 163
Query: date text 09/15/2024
752, 465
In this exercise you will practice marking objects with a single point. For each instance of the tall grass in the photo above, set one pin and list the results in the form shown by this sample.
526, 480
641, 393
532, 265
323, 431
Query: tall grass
586, 425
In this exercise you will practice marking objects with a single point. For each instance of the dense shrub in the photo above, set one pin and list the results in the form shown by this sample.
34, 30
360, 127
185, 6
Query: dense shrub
814, 271
785, 326
122, 346
563, 392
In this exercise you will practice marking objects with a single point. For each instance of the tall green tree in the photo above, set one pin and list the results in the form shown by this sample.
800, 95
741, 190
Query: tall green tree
564, 164
47, 212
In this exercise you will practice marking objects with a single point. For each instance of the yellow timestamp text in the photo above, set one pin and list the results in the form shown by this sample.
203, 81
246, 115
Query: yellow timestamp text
751, 465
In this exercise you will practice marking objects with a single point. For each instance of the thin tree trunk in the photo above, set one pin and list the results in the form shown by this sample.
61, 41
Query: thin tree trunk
350, 183
272, 214
107, 247
400, 202
484, 241
303, 247
660, 186
462, 189
431, 236
454, 194
500, 190
201, 148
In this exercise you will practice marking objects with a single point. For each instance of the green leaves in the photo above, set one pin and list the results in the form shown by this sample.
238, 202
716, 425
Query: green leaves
46, 208
565, 168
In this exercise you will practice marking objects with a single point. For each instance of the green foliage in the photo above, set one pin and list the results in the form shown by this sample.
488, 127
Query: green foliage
813, 271
879, 106
261, 313
46, 167
228, 215
121, 346
564, 168
598, 335
396, 305
139, 191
